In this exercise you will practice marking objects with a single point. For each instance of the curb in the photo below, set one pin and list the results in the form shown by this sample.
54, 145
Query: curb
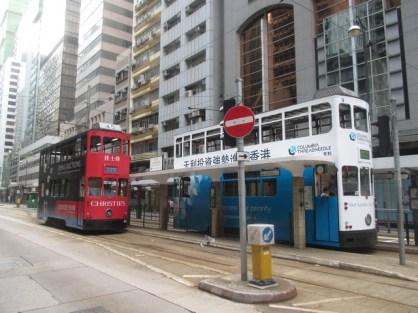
304, 259
236, 291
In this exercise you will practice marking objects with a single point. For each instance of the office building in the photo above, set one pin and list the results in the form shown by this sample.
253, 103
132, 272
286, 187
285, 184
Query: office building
105, 32
10, 14
191, 83
10, 77
57, 72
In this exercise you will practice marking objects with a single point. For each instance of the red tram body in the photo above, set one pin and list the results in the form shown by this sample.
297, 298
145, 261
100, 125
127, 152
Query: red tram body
83, 180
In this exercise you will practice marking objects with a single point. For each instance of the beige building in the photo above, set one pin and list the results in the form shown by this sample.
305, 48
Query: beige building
121, 98
145, 83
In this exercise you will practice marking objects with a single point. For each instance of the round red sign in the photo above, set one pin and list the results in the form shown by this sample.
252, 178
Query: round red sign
239, 121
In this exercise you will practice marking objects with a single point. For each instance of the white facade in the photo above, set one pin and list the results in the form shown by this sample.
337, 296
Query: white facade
28, 172
191, 68
11, 73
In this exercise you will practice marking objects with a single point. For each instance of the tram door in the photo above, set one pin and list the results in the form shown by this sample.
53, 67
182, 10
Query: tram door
322, 221
192, 206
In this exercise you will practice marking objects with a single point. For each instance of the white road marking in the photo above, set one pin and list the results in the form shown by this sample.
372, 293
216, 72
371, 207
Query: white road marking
327, 301
291, 308
239, 121
199, 276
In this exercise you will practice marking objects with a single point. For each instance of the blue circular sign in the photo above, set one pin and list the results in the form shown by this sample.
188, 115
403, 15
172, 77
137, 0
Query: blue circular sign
292, 150
267, 234
353, 136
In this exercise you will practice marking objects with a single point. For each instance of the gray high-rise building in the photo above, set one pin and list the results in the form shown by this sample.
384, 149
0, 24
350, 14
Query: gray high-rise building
105, 32
58, 66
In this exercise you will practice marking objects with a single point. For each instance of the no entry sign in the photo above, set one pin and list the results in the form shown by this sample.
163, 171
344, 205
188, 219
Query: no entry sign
239, 121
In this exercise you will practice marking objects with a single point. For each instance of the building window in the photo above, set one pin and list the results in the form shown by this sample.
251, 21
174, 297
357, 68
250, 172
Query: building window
172, 46
169, 2
195, 117
196, 31
171, 124
194, 6
196, 59
195, 88
171, 97
173, 21
171, 72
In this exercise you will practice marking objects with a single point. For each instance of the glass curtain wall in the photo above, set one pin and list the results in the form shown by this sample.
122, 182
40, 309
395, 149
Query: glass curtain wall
268, 61
334, 54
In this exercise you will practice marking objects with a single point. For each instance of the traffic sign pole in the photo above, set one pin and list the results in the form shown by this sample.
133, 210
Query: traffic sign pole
242, 196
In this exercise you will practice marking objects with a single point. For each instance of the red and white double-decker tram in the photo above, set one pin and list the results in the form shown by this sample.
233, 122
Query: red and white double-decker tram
83, 180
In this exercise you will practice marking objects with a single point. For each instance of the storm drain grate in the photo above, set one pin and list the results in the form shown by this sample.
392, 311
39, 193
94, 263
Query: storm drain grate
97, 309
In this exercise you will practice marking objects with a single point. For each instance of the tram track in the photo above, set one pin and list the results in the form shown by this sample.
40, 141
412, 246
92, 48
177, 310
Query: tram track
301, 274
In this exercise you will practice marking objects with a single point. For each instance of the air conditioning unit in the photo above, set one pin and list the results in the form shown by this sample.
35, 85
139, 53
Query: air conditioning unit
165, 26
164, 123
196, 113
189, 93
165, 73
189, 10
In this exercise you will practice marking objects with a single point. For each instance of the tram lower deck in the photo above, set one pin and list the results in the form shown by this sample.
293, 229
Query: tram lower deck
269, 199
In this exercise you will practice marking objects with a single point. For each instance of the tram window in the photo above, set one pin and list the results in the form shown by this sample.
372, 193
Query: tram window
251, 187
345, 116
95, 143
321, 122
186, 147
252, 139
230, 188
77, 146
95, 186
110, 187
111, 145
185, 186
198, 143
350, 180
213, 143
297, 127
125, 147
82, 187
83, 145
365, 181
360, 119
269, 187
272, 132
179, 148
123, 187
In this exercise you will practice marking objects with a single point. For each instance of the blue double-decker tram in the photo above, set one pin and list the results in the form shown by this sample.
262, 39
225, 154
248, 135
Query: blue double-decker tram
326, 141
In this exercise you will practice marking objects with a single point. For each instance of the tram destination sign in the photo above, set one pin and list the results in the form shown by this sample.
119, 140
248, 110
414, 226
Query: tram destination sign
239, 121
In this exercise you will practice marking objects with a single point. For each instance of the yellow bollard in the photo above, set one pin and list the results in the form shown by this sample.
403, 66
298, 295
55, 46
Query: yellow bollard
261, 237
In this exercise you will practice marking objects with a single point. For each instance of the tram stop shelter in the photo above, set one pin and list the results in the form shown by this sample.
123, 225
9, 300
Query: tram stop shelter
294, 165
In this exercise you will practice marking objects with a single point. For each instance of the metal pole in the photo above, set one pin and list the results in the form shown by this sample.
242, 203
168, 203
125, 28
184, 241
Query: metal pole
396, 156
353, 48
242, 196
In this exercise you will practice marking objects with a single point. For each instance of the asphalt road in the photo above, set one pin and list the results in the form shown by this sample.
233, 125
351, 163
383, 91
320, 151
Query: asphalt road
45, 269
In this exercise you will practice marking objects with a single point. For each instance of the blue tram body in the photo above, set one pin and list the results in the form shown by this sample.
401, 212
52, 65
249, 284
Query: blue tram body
274, 207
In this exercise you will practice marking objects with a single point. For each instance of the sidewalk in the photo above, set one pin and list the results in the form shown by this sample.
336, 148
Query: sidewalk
377, 262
